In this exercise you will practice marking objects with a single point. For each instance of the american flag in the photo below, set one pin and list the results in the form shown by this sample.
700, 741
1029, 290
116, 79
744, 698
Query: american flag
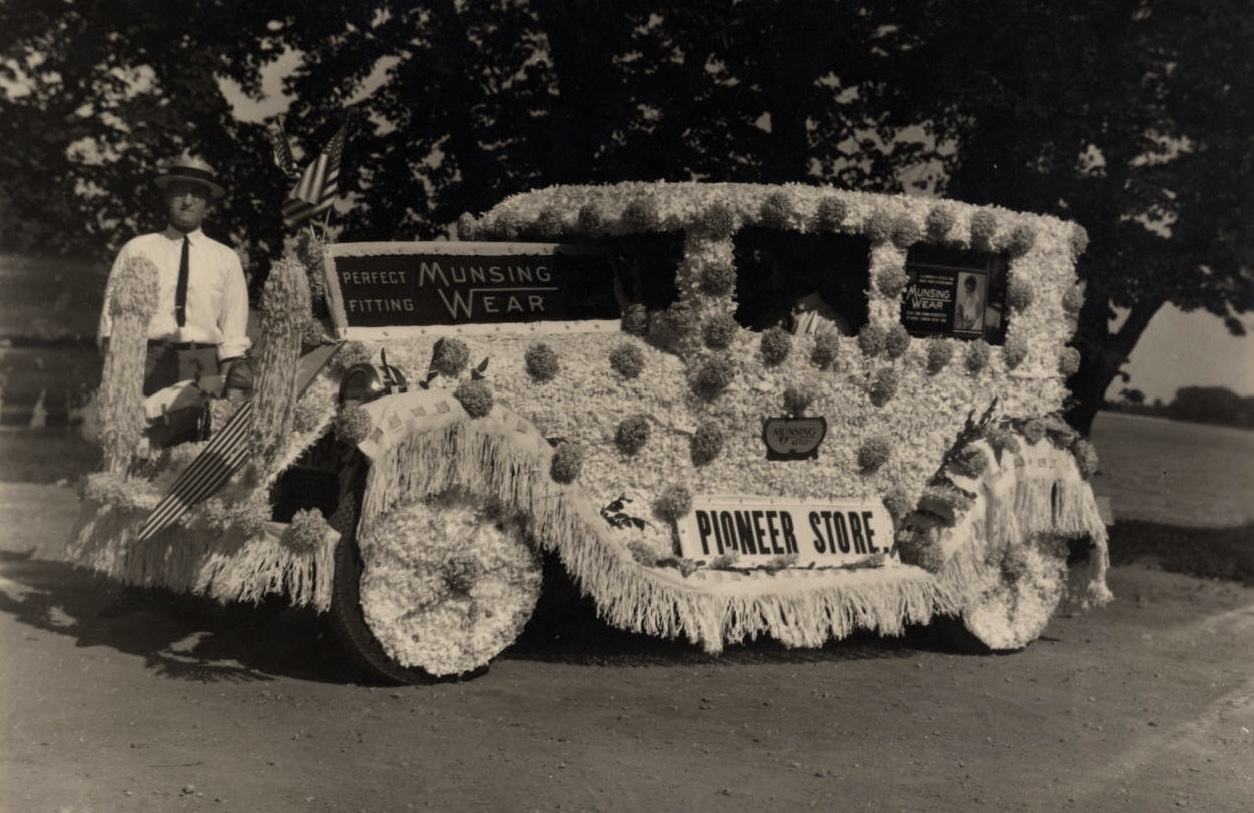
316, 189
226, 451
282, 149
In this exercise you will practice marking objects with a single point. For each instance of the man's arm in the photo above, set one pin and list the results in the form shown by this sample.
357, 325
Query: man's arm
233, 320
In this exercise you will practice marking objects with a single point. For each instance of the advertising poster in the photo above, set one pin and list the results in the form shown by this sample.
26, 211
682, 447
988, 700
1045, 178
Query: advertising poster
952, 296
448, 283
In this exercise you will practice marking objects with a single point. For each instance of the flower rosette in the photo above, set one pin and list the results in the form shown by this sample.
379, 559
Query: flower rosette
448, 583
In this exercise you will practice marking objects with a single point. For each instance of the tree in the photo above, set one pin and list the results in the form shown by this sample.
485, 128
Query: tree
1130, 117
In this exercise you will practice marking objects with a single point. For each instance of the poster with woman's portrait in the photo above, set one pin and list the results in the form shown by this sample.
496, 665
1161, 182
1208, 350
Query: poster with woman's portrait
969, 303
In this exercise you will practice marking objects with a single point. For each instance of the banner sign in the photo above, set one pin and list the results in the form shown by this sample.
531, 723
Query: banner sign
453, 283
834, 533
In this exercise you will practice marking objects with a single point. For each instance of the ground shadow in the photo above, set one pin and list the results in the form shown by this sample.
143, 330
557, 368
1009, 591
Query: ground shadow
178, 636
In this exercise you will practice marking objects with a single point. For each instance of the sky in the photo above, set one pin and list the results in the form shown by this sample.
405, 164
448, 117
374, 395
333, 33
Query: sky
1181, 349
1176, 350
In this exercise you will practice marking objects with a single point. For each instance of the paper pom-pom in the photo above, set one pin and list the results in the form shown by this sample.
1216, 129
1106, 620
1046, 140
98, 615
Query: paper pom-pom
718, 220
306, 532
896, 341
676, 324
450, 357
776, 211
905, 232
947, 499
627, 360
636, 320
831, 214
567, 462
673, 504
641, 215
826, 350
918, 548
1000, 439
1033, 430
874, 453
983, 229
871, 340
1079, 241
970, 461
898, 503
541, 362
940, 221
978, 354
880, 226
1073, 299
713, 376
351, 354
706, 444
776, 344
719, 331
717, 279
632, 434
352, 425
505, 226
475, 397
467, 227
642, 553
939, 353
1068, 362
549, 224
883, 385
1019, 293
1022, 238
892, 281
797, 399
1085, 457
1015, 351
591, 219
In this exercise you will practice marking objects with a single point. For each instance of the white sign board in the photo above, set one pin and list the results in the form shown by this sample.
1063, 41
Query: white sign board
757, 529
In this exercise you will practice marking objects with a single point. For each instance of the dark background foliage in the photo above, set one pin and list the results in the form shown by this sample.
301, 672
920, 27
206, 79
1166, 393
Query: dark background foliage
1130, 117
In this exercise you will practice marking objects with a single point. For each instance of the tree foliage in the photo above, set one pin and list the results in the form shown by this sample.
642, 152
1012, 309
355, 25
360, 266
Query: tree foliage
1128, 116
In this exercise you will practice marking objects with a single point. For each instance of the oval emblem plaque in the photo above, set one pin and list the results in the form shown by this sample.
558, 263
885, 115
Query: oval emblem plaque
793, 438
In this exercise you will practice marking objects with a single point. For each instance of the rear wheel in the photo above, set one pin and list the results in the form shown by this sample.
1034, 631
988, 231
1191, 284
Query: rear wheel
1016, 595
436, 588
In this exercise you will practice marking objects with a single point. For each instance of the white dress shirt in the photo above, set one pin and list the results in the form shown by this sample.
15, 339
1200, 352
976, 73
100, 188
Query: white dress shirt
217, 294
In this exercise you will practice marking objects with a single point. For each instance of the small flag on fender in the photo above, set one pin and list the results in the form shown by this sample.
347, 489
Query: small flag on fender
318, 184
226, 451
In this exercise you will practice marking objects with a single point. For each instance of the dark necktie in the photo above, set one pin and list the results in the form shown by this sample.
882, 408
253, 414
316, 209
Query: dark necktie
180, 293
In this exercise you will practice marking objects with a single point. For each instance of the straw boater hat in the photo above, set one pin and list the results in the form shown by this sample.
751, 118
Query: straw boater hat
192, 170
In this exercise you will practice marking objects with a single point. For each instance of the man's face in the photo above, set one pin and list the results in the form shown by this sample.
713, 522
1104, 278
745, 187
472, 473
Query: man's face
186, 204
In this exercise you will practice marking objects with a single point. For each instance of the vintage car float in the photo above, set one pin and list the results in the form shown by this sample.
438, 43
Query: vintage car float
618, 376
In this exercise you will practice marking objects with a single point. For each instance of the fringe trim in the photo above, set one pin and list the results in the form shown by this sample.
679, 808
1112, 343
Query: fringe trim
503, 455
201, 561
1016, 501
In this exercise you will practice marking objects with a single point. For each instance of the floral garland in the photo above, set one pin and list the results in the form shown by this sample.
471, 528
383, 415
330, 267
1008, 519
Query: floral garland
449, 582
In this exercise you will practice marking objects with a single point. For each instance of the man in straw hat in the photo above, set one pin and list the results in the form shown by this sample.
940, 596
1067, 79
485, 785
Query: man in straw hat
200, 325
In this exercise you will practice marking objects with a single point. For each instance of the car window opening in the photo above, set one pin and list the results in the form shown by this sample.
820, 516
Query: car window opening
804, 283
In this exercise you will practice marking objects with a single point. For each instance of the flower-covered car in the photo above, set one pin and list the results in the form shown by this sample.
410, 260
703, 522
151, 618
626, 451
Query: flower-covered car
728, 410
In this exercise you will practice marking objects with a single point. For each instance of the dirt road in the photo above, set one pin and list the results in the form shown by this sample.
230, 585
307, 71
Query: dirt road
170, 704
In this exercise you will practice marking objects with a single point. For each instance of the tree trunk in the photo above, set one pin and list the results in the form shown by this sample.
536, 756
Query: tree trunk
1102, 354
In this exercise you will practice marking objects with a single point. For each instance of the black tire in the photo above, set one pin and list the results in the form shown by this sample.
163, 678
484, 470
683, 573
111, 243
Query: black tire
354, 634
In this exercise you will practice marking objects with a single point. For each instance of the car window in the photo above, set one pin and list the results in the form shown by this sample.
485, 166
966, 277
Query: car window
780, 273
